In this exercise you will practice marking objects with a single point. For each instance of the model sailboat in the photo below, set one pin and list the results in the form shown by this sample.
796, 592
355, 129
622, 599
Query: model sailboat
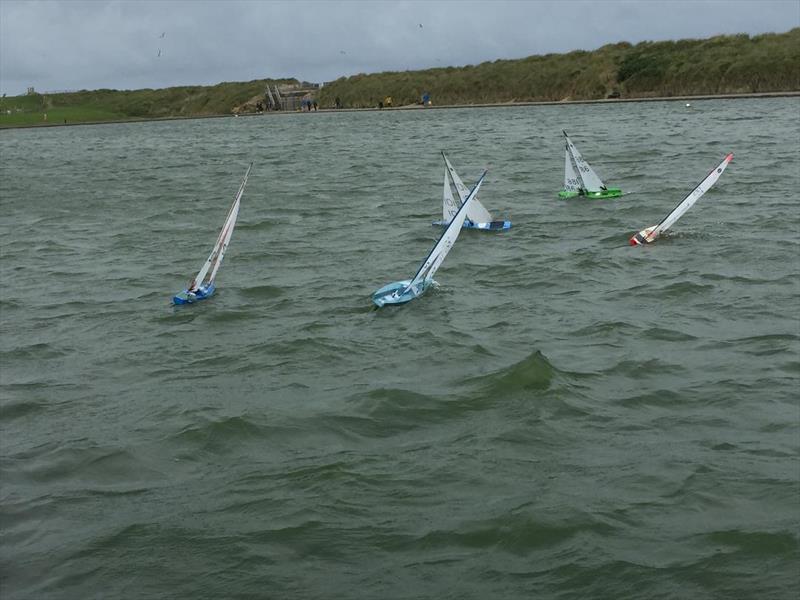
400, 292
202, 285
580, 179
477, 215
649, 234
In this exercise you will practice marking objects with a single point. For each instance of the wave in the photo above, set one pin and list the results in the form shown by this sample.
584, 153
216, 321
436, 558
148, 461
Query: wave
767, 345
533, 373
383, 412
667, 335
515, 533
652, 397
233, 427
262, 292
602, 328
264, 225
760, 345
789, 278
673, 290
110, 468
15, 410
758, 543
40, 351
636, 368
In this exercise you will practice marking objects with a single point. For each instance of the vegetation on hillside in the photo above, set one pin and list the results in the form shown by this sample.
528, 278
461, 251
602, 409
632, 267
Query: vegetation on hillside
112, 105
719, 65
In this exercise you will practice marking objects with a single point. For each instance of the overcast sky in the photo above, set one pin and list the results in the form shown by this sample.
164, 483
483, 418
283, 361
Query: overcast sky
72, 45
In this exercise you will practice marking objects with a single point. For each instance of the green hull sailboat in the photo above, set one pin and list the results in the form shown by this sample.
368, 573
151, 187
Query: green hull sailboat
580, 180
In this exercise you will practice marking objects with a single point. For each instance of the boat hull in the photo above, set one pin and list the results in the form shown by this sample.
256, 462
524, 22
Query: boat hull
492, 226
201, 293
388, 294
643, 237
601, 195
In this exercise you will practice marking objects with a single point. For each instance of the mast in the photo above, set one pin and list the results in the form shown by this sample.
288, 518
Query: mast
571, 181
449, 206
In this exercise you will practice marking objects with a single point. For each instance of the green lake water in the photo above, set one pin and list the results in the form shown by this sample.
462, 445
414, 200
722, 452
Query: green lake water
565, 416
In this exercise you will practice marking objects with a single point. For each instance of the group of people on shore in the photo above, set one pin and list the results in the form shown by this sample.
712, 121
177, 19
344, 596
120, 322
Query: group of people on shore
309, 104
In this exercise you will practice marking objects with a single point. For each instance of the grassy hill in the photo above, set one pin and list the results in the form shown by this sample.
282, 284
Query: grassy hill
114, 105
719, 65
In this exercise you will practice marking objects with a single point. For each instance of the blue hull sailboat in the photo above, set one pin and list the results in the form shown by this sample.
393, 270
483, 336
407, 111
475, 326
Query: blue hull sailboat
202, 285
477, 215
404, 291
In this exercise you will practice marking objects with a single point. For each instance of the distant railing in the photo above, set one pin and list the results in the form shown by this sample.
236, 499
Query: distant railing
289, 97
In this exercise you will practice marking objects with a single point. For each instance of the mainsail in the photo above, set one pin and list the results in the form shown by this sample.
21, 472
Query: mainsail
693, 197
571, 181
477, 213
449, 204
591, 182
214, 259
434, 259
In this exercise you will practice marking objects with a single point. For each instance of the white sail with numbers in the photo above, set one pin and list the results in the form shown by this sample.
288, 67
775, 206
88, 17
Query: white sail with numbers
591, 182
477, 212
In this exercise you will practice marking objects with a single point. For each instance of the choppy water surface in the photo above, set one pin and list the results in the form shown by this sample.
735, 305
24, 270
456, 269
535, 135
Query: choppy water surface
564, 417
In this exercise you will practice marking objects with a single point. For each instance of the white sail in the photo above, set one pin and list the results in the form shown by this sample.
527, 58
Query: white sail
693, 197
571, 181
214, 259
226, 238
436, 256
591, 182
477, 211
449, 204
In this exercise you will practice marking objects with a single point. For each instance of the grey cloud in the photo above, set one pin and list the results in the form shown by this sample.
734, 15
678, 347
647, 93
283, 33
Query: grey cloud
87, 45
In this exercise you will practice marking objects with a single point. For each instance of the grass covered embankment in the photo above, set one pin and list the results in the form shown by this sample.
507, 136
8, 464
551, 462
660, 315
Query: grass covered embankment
737, 64
721, 65
117, 105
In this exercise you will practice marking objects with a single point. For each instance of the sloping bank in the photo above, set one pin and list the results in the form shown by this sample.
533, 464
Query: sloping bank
718, 66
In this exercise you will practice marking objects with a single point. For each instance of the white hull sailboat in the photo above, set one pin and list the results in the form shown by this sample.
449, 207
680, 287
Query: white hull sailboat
650, 234
202, 285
